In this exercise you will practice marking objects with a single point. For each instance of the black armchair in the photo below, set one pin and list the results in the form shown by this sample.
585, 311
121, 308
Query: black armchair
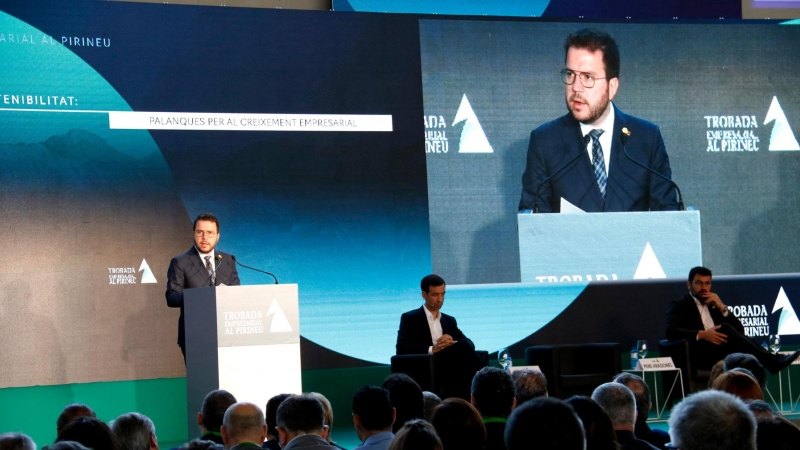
423, 369
693, 379
575, 369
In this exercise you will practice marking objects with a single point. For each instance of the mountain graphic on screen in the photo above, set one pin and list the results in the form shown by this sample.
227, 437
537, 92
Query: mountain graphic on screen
473, 139
782, 138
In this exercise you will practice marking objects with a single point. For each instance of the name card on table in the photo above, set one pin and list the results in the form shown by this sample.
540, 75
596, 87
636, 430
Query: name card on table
655, 364
516, 368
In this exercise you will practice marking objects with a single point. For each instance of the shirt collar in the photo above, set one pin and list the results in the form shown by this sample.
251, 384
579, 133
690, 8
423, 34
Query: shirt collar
203, 255
429, 314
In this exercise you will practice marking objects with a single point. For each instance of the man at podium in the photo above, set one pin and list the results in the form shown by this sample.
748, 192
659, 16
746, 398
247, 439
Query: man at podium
581, 156
200, 266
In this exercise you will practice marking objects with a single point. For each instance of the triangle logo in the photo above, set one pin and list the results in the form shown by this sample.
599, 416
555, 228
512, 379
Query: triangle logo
782, 137
788, 323
147, 274
279, 324
649, 267
473, 139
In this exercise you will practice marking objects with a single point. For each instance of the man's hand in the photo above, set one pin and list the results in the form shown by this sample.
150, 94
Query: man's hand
445, 341
712, 335
713, 299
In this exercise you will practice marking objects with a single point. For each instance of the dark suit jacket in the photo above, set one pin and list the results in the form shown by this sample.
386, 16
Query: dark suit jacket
187, 271
627, 441
414, 335
629, 187
684, 321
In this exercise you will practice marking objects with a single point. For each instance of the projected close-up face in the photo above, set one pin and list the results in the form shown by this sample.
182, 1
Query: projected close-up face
206, 235
590, 91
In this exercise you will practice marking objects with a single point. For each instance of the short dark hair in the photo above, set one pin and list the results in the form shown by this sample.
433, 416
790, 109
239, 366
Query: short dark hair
373, 407
208, 217
70, 412
416, 434
597, 425
214, 406
431, 281
749, 362
272, 411
699, 270
16, 441
493, 391
528, 384
548, 422
67, 445
596, 40
459, 425
301, 413
406, 397
91, 432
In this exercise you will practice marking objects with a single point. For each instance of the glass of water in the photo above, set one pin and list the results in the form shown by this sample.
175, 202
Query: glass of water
774, 343
641, 348
504, 358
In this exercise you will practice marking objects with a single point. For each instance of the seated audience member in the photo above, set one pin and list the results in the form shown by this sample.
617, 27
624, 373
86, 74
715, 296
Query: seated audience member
209, 419
761, 409
135, 431
712, 420
597, 426
272, 434
200, 444
71, 412
716, 370
326, 405
16, 441
243, 427
777, 433
544, 423
528, 384
90, 432
300, 422
618, 401
641, 392
416, 434
430, 401
459, 425
749, 362
492, 393
373, 416
406, 398
71, 445
739, 384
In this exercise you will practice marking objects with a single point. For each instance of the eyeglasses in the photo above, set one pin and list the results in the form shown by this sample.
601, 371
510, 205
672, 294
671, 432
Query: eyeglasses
587, 79
208, 234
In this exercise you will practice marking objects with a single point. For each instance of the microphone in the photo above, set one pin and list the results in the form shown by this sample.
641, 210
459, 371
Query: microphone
624, 138
538, 189
253, 268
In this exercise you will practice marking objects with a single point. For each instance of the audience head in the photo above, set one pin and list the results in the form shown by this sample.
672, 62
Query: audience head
761, 409
213, 409
528, 384
544, 423
90, 432
271, 411
430, 402
618, 401
416, 434
328, 414
372, 411
135, 431
716, 370
749, 362
776, 433
71, 412
243, 422
68, 445
196, 444
597, 426
493, 392
712, 420
406, 397
16, 441
459, 425
299, 414
739, 384
641, 393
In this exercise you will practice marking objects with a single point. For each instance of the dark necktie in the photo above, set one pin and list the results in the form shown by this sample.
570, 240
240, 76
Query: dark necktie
598, 161
210, 269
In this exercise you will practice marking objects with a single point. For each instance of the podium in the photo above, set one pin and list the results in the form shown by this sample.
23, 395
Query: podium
608, 246
244, 339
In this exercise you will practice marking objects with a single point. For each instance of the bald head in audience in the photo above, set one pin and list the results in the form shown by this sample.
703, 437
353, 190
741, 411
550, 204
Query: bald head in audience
243, 423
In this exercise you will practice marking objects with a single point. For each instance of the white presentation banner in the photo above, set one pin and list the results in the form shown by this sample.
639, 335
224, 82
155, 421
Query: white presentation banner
141, 120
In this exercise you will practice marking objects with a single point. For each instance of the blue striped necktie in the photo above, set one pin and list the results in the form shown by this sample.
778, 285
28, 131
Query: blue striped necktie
598, 161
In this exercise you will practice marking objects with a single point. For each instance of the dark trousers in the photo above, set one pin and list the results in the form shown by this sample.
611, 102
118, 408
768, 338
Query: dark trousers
706, 354
455, 366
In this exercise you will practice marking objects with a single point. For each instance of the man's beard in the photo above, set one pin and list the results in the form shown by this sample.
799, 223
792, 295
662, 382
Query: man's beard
595, 111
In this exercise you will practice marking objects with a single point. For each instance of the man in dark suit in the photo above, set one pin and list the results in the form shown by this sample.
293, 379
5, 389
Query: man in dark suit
713, 332
604, 180
200, 266
427, 330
